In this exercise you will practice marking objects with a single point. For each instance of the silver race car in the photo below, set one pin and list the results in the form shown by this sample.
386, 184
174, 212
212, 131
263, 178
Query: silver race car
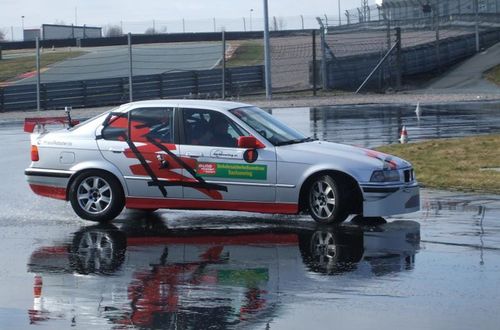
190, 154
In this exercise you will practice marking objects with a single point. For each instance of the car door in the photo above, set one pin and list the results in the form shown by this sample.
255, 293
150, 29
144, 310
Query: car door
141, 143
222, 170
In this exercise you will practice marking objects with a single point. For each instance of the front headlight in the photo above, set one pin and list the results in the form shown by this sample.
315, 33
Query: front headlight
385, 176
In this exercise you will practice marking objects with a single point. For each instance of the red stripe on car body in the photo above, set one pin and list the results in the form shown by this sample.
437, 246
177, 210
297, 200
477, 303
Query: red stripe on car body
149, 203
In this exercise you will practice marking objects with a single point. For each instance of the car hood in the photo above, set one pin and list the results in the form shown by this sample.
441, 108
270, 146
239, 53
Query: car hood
339, 154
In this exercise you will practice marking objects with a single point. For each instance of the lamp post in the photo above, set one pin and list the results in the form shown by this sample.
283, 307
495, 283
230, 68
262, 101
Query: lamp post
22, 26
251, 11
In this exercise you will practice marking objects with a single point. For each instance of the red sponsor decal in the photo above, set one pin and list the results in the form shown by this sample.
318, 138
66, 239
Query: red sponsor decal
207, 169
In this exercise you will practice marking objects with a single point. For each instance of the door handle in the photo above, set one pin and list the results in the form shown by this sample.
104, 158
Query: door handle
194, 154
116, 150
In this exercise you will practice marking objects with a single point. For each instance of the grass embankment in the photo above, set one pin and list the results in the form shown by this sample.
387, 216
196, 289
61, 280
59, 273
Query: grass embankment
13, 67
247, 53
458, 164
493, 75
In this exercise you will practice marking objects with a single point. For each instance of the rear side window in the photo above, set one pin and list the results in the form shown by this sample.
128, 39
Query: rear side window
147, 124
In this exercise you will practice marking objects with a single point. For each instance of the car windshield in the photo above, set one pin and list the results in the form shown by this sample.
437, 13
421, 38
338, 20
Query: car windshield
269, 127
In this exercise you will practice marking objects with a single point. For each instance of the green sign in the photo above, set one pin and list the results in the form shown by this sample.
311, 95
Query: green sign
233, 171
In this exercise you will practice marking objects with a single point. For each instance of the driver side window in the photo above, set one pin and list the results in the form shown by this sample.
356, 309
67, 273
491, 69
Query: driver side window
209, 128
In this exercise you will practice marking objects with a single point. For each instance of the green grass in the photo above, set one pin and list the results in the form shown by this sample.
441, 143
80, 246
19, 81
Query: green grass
454, 164
247, 53
11, 68
493, 74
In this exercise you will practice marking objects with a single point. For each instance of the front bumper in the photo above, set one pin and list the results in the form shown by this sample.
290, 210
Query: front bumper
384, 200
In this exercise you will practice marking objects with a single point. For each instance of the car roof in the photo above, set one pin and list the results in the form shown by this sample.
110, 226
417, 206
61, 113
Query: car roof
196, 104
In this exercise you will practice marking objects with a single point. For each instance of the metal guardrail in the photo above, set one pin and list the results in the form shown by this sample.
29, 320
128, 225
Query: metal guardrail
113, 91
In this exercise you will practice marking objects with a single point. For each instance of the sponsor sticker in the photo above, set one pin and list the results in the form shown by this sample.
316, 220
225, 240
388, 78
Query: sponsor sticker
233, 171
230, 154
207, 169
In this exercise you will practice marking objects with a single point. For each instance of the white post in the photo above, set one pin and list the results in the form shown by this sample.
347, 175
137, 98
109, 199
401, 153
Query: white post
267, 53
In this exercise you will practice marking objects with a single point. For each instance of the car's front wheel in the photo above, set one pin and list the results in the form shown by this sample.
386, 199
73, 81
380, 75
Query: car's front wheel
96, 196
326, 201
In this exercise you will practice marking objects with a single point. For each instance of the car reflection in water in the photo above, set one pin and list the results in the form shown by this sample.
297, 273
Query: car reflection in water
147, 275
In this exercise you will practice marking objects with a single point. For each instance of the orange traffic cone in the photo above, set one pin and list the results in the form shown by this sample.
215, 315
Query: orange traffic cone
404, 135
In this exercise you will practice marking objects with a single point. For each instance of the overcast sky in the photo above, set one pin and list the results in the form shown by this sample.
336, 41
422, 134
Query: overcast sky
104, 12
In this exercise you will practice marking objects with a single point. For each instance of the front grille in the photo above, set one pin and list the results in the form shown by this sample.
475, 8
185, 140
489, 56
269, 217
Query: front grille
409, 176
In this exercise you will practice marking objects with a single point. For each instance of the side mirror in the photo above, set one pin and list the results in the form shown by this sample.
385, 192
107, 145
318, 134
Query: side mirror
249, 142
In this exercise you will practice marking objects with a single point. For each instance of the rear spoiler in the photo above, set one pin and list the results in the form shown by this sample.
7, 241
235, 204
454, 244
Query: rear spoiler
31, 123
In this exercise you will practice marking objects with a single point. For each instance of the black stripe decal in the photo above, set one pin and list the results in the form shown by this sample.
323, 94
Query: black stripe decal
380, 190
147, 168
201, 182
47, 174
202, 185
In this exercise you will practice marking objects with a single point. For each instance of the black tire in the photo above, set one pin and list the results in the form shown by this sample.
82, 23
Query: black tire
96, 196
326, 201
98, 250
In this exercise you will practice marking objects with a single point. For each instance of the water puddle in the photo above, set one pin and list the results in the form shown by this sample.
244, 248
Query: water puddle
375, 125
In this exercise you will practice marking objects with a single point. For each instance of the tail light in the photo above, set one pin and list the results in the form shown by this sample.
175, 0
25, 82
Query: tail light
34, 153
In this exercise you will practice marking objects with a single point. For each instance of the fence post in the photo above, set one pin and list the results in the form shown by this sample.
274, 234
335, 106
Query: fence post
196, 82
267, 53
223, 65
398, 58
476, 25
389, 45
161, 85
1, 100
324, 71
314, 74
130, 72
37, 42
438, 52
84, 90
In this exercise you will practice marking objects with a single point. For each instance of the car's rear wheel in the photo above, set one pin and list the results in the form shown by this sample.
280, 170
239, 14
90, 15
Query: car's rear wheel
96, 196
326, 201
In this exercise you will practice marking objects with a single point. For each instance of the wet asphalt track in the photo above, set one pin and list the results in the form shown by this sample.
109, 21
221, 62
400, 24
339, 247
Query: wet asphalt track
435, 269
